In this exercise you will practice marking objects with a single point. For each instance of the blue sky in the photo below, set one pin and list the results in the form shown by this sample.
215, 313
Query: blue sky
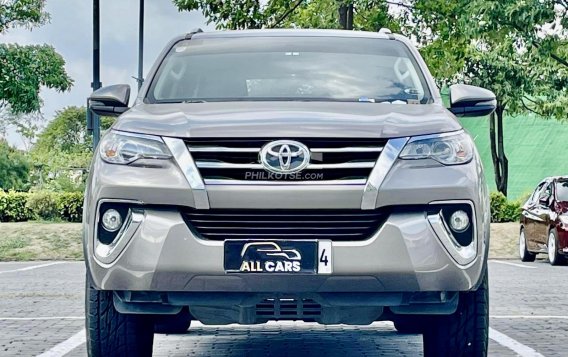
70, 32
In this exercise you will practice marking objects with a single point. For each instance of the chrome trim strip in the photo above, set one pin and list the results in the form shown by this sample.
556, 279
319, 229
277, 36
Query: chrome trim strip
346, 165
227, 165
107, 253
214, 182
434, 136
187, 165
220, 149
382, 167
462, 255
348, 149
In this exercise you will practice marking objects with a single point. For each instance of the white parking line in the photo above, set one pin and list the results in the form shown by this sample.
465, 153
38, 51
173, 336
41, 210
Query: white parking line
66, 346
42, 318
513, 345
31, 267
513, 264
544, 317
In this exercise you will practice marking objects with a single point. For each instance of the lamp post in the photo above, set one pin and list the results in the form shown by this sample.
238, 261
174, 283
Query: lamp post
93, 120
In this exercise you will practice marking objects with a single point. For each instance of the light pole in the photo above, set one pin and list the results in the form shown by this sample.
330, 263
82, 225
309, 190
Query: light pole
93, 120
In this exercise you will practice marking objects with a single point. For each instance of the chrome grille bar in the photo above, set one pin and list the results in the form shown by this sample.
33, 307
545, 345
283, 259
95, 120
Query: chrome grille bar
226, 165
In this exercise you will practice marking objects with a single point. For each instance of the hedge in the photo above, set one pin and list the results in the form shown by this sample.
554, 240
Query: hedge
45, 205
503, 210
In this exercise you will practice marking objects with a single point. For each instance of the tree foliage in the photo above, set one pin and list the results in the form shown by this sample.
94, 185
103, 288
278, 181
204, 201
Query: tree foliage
25, 69
64, 146
14, 168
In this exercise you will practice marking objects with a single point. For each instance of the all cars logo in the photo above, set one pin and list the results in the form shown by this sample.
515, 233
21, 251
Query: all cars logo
269, 257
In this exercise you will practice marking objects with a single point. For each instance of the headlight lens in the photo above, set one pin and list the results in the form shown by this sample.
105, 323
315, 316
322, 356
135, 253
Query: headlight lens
564, 218
448, 150
124, 148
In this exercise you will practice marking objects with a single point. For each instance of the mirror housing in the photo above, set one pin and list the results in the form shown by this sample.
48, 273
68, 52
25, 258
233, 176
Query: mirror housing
110, 101
471, 101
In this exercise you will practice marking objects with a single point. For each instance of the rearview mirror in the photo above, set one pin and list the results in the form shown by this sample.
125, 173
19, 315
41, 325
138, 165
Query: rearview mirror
110, 100
471, 101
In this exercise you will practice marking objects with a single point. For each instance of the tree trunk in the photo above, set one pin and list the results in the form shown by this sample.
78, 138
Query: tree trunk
501, 152
500, 162
349, 25
343, 16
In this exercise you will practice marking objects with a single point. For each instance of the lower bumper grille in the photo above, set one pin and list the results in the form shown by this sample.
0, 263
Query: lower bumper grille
288, 309
336, 225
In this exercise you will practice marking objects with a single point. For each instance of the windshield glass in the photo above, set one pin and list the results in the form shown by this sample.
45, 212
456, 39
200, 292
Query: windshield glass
562, 191
289, 68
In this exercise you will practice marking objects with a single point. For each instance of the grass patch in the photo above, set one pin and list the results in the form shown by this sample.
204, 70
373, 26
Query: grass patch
40, 241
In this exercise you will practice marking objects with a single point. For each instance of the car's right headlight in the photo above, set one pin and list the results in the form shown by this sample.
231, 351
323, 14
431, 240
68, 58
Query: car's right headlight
124, 148
453, 149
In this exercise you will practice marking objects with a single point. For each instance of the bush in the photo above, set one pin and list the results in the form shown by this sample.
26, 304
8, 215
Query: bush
13, 207
47, 205
42, 204
70, 206
503, 210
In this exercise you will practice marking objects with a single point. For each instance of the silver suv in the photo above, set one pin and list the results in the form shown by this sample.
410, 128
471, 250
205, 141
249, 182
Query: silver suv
287, 175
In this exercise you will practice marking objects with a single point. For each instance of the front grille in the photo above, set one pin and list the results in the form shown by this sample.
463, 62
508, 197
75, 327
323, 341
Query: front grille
331, 159
337, 225
288, 309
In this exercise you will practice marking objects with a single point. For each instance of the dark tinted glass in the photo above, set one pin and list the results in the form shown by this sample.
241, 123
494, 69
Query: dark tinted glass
289, 68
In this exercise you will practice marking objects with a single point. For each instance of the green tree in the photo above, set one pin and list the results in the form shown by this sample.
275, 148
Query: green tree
64, 146
25, 69
14, 168
253, 14
475, 42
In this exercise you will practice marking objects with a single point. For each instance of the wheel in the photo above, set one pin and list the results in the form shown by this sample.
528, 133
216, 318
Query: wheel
110, 333
173, 324
524, 253
408, 325
553, 257
463, 333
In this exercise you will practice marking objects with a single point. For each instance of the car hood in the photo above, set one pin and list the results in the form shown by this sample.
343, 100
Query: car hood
287, 119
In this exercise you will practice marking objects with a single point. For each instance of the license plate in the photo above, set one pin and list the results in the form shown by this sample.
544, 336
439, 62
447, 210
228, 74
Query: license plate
278, 257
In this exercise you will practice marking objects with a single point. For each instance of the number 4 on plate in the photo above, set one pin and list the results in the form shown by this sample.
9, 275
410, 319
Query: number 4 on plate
325, 262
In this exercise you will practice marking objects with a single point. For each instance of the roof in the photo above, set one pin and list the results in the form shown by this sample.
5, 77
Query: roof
291, 32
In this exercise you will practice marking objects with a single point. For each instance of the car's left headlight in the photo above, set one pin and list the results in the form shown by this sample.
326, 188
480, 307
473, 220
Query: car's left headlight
453, 149
124, 148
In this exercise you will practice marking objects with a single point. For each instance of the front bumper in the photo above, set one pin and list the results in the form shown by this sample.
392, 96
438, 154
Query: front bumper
160, 253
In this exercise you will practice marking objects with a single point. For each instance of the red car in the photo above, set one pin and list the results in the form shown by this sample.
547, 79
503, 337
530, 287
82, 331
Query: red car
544, 222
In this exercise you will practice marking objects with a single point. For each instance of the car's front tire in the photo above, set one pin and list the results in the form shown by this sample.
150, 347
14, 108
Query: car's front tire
110, 333
524, 253
463, 333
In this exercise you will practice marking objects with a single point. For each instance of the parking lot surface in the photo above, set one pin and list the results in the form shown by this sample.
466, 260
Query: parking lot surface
41, 313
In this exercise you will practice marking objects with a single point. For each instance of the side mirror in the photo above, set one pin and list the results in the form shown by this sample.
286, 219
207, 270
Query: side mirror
111, 100
544, 200
471, 101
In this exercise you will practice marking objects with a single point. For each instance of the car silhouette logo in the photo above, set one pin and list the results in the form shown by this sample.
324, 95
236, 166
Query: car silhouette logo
271, 249
285, 156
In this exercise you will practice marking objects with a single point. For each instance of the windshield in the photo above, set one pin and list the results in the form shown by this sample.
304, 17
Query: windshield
562, 191
289, 68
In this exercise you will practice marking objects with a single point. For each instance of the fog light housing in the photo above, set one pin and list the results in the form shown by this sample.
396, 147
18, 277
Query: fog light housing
459, 221
111, 220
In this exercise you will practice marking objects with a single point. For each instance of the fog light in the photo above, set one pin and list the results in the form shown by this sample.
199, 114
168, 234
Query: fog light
459, 221
111, 220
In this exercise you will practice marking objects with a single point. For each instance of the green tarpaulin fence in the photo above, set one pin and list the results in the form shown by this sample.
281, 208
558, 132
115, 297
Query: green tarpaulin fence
535, 147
